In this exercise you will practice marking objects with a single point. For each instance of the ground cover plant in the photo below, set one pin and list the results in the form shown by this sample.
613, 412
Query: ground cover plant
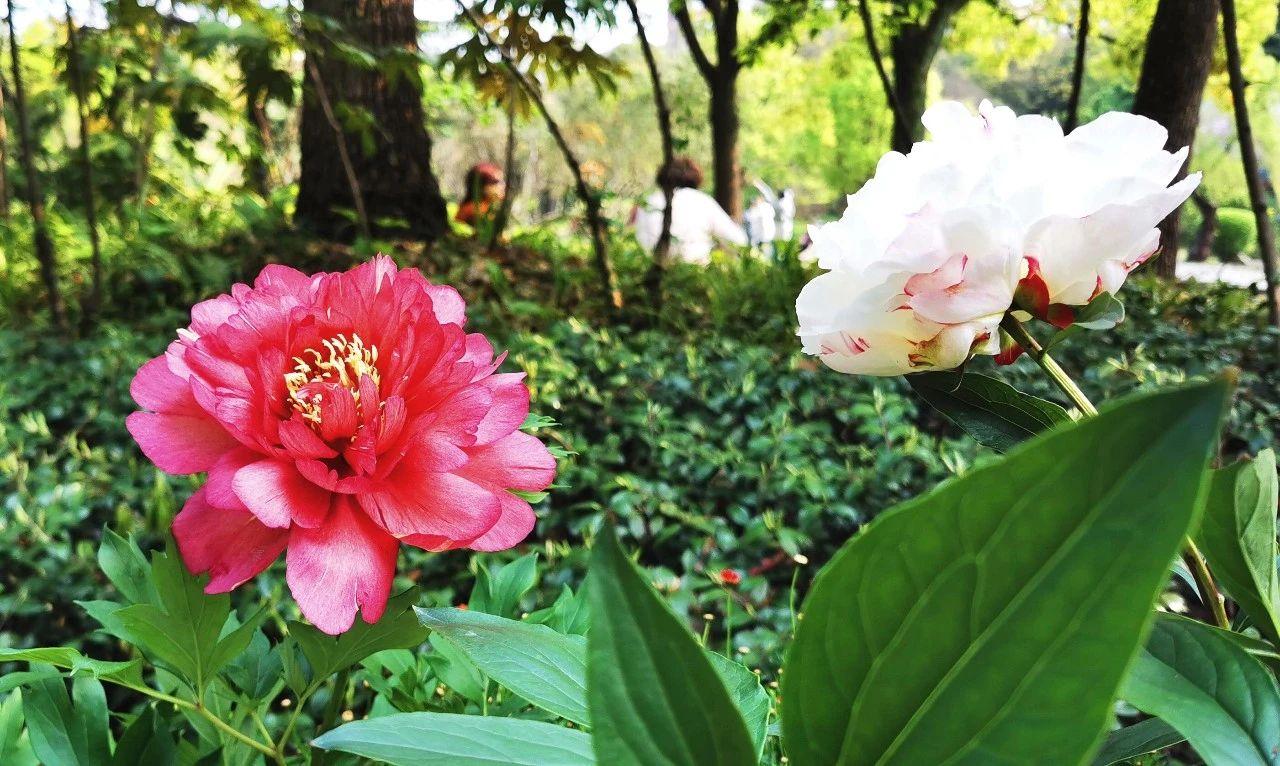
302, 463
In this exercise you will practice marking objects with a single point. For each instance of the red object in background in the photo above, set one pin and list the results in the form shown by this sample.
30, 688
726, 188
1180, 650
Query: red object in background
730, 577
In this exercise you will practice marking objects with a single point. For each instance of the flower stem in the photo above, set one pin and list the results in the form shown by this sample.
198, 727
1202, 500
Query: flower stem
1191, 553
1204, 580
222, 725
1059, 376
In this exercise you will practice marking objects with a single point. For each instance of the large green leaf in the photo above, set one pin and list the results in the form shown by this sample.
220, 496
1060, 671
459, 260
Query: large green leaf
182, 630
444, 739
956, 627
748, 696
994, 413
544, 667
1238, 536
653, 694
549, 669
398, 629
1139, 739
1211, 690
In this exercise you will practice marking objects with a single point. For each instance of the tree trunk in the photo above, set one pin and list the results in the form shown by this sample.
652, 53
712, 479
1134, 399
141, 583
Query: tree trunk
503, 214
35, 197
257, 172
86, 162
721, 77
662, 249
1175, 67
1077, 71
1208, 228
395, 178
1249, 157
4, 154
912, 50
726, 171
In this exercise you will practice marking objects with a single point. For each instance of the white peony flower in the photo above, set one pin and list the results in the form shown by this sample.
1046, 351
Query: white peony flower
996, 211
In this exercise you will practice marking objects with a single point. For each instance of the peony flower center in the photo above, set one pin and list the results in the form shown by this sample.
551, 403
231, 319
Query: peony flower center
341, 361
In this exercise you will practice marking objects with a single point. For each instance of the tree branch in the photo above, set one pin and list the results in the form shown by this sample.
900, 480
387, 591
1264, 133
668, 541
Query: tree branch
869, 30
681, 12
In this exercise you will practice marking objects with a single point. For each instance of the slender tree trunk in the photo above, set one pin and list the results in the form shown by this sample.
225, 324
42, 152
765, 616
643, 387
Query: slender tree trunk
721, 77
597, 227
662, 250
726, 168
257, 173
1249, 157
395, 178
1208, 228
86, 162
4, 154
503, 214
1175, 67
35, 197
912, 50
1077, 71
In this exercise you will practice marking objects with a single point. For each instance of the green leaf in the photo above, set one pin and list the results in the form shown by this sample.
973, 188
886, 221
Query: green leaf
456, 670
1139, 739
128, 673
445, 739
994, 413
499, 593
748, 696
654, 696
15, 746
569, 613
1238, 536
398, 629
146, 741
182, 631
257, 670
544, 667
68, 730
1101, 313
125, 566
955, 627
1211, 690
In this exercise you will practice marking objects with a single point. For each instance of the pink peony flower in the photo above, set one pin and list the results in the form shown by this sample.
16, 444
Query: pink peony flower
337, 415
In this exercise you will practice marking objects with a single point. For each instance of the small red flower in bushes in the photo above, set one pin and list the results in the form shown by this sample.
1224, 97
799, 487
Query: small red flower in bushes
337, 416
730, 578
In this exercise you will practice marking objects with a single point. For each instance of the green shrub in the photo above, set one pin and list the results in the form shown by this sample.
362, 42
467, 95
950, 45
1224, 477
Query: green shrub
1237, 234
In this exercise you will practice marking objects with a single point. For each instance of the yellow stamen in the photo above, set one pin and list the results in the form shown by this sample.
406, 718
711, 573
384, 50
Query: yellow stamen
343, 362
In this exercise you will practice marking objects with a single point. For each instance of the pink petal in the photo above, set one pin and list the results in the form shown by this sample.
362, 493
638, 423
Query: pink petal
509, 409
179, 444
428, 503
277, 494
516, 461
156, 388
218, 490
512, 527
302, 442
231, 545
344, 565
447, 304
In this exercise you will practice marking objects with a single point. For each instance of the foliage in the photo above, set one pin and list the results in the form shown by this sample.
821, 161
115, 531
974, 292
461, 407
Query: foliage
1237, 234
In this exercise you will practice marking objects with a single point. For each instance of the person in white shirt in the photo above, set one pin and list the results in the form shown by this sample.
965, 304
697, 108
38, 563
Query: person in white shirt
697, 220
761, 225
